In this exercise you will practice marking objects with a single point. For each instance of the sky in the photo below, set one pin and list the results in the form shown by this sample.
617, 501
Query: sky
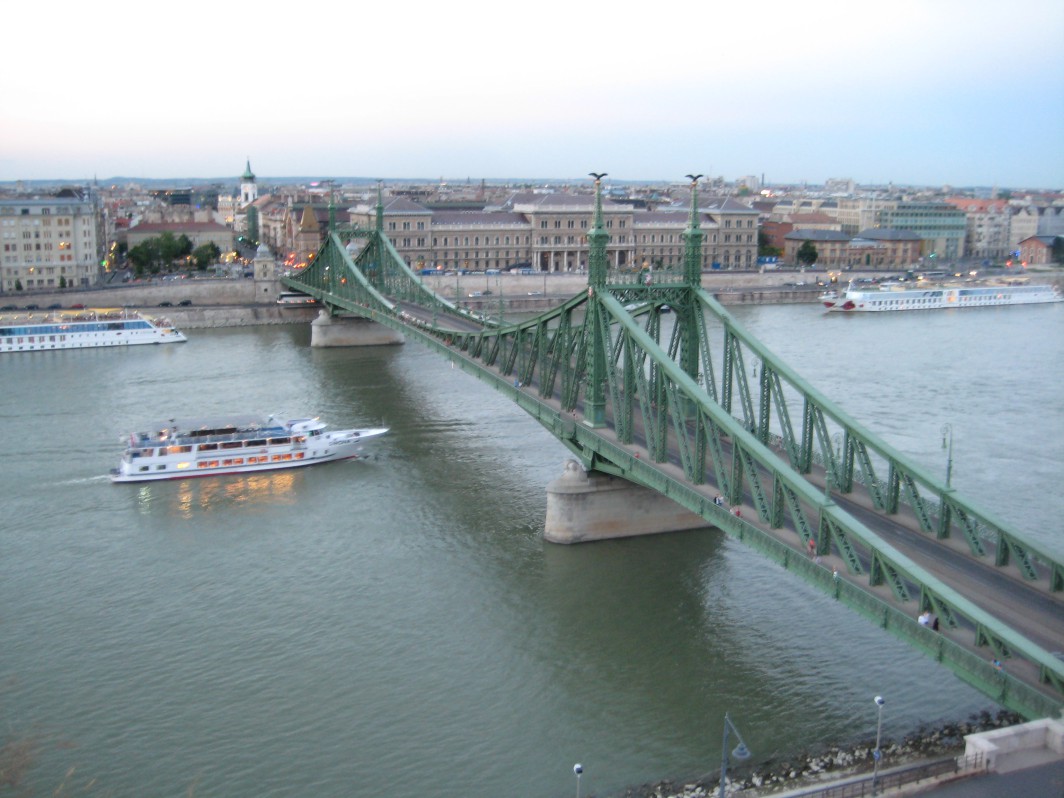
914, 92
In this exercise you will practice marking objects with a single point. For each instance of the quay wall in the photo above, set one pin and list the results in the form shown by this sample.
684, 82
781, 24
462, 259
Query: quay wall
240, 302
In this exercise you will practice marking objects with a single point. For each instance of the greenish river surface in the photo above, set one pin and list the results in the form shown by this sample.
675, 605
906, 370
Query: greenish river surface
397, 626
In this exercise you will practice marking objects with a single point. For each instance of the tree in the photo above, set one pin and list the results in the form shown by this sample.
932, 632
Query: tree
205, 254
145, 255
18, 284
1057, 250
62, 281
807, 253
170, 248
764, 249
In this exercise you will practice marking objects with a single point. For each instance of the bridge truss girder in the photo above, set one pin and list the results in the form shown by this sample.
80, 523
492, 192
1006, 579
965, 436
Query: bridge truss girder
598, 357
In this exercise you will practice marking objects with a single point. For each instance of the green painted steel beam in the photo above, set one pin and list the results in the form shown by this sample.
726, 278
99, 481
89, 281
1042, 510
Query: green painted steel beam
611, 350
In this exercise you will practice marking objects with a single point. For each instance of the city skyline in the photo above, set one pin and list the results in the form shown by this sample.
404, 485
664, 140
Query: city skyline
928, 93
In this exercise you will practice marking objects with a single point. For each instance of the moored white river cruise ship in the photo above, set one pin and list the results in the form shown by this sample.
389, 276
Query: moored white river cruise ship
234, 444
82, 329
935, 297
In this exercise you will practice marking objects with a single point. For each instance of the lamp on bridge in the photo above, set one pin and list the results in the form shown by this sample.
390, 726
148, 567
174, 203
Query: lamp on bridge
947, 444
740, 752
578, 769
877, 754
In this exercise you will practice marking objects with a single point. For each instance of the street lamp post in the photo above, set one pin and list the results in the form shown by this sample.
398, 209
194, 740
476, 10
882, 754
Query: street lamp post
947, 444
837, 466
877, 754
578, 769
740, 752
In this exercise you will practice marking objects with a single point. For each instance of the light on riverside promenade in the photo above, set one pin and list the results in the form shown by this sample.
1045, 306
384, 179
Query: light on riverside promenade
877, 754
578, 770
740, 752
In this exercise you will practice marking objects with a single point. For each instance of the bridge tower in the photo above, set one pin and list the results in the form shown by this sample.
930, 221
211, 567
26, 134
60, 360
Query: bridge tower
597, 238
692, 279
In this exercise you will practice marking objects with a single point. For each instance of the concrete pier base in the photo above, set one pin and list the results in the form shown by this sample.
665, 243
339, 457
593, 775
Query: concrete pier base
583, 506
329, 330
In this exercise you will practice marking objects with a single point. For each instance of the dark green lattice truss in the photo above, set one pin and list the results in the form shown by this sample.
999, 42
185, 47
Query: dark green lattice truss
715, 412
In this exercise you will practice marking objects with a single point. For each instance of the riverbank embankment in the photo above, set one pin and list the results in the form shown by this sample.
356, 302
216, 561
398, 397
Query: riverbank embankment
815, 768
202, 303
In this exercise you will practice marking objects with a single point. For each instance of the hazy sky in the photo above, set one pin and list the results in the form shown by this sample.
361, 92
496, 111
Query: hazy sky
965, 92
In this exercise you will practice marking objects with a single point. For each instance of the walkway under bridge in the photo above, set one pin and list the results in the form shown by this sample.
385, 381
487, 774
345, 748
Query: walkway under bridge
692, 406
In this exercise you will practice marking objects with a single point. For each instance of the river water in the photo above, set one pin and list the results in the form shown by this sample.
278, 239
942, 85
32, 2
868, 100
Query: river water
398, 626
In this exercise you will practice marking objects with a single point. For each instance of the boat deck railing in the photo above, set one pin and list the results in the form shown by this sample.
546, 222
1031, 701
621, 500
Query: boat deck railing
189, 440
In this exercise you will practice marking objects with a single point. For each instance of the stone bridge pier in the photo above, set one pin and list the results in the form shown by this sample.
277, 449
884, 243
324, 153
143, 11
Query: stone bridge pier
585, 506
328, 330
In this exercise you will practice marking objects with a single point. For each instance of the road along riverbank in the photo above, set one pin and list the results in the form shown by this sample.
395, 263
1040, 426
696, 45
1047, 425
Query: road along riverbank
516, 292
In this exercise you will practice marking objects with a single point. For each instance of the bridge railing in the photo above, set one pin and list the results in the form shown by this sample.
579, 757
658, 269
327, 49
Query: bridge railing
972, 765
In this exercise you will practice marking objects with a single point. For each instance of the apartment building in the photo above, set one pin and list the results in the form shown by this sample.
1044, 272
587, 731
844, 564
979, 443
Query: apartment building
1034, 219
50, 241
988, 226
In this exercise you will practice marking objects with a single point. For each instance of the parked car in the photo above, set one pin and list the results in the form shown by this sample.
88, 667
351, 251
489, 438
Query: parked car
33, 307
185, 303
166, 304
55, 306
77, 306
9, 307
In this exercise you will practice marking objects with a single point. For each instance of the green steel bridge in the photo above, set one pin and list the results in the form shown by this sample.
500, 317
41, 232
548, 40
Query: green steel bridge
679, 410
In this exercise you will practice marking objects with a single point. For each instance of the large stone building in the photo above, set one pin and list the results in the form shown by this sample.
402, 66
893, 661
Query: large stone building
50, 241
875, 248
547, 232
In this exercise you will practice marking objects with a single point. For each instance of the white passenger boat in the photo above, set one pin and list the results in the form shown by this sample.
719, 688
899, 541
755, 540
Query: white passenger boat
934, 297
238, 444
30, 331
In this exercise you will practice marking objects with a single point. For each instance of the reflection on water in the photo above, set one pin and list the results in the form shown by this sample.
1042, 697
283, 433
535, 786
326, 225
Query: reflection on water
187, 498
